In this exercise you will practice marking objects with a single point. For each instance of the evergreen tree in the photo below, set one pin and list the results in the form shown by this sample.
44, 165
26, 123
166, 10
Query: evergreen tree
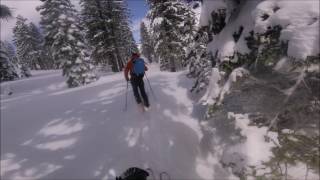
37, 48
97, 34
127, 42
67, 42
29, 43
11, 52
47, 56
12, 55
199, 61
146, 42
21, 38
173, 26
108, 31
7, 69
50, 11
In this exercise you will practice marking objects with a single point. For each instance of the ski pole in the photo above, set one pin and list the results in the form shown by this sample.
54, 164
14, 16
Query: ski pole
150, 87
126, 102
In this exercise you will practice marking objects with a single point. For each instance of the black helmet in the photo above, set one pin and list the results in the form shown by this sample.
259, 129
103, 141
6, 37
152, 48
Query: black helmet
134, 173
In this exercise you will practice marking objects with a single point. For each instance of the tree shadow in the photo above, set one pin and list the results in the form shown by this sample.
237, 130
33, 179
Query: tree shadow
218, 134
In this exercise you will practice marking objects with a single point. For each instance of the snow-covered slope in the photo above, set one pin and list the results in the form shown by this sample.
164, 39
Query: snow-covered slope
49, 131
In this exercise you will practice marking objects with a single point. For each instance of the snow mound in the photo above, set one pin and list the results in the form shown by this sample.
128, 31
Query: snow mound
299, 20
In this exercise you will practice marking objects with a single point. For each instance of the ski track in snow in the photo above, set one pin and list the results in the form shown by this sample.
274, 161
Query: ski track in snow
52, 132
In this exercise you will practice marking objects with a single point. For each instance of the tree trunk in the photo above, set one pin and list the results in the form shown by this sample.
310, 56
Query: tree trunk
118, 58
112, 62
172, 65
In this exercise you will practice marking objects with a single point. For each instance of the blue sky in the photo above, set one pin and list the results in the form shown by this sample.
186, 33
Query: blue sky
138, 10
26, 8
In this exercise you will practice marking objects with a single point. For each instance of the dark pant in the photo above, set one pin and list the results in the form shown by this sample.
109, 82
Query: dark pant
137, 83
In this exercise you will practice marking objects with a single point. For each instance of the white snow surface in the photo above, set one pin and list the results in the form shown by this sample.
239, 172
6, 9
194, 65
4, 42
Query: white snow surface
259, 149
213, 90
49, 131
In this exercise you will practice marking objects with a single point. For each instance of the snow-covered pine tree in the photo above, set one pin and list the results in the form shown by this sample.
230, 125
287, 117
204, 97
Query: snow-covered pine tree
97, 34
11, 52
146, 42
12, 55
173, 26
50, 12
68, 48
199, 61
108, 31
127, 44
47, 55
21, 38
28, 41
8, 71
120, 30
37, 48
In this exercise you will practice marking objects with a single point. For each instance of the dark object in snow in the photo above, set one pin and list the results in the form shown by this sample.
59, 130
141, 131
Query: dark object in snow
10, 93
236, 35
218, 20
134, 173
195, 6
265, 17
275, 9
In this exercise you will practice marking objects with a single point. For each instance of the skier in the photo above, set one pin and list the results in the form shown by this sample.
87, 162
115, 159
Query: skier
136, 66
